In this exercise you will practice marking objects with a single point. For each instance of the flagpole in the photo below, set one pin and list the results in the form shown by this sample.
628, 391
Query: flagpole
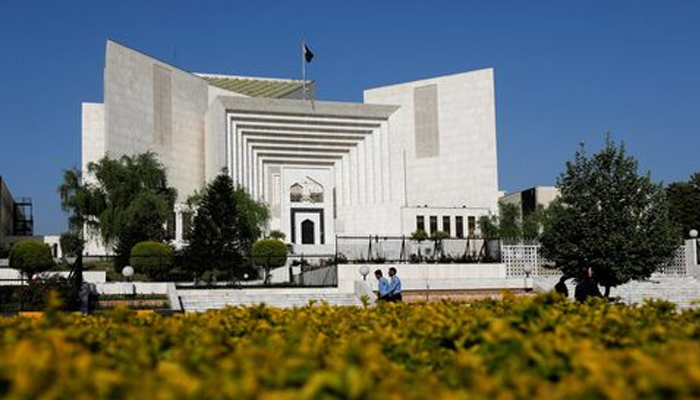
303, 68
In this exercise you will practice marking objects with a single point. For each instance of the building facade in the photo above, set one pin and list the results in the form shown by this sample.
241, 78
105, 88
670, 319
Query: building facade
16, 216
416, 155
529, 200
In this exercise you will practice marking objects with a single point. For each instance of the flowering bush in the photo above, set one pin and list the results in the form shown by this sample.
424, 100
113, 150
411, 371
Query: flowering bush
517, 348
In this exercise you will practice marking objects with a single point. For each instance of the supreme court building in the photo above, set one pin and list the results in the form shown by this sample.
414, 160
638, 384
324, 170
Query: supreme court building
415, 155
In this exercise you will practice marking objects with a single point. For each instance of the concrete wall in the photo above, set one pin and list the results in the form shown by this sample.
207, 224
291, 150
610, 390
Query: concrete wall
94, 144
7, 207
13, 274
320, 276
150, 105
446, 128
432, 276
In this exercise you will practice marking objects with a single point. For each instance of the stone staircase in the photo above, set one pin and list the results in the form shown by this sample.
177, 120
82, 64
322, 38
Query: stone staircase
682, 290
197, 300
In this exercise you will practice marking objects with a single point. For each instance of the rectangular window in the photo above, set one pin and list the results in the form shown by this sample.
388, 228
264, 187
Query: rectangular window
420, 223
472, 226
459, 227
433, 223
446, 225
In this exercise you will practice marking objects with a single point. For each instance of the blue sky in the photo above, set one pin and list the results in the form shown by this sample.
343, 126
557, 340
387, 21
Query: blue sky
566, 71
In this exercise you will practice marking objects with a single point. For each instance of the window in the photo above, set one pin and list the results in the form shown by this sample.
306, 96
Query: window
433, 223
446, 225
420, 223
295, 193
459, 227
472, 225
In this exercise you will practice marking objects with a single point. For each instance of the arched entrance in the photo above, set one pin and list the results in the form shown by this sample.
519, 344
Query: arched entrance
307, 232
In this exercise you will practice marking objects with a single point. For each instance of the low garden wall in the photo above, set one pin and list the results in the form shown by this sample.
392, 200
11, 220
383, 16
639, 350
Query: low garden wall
10, 276
433, 276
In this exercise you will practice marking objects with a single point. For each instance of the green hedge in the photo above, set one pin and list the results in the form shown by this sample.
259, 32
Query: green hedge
154, 259
31, 257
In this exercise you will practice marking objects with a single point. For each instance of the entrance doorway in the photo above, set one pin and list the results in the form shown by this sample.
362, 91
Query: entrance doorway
308, 232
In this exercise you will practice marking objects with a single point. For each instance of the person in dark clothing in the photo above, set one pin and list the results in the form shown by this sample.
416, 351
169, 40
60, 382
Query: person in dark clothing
587, 287
561, 288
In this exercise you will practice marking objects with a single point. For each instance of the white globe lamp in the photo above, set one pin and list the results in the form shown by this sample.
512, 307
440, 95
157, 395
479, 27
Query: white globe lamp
364, 271
128, 271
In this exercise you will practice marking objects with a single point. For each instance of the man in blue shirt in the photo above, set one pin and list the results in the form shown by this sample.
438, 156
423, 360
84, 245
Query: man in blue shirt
394, 286
383, 286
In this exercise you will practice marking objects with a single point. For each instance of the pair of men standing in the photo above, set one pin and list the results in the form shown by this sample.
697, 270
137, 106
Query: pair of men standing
389, 289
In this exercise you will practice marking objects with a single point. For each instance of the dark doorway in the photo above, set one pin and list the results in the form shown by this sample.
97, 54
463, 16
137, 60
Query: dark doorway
307, 232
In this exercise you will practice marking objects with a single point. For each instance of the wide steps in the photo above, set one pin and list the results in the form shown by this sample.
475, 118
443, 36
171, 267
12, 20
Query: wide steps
193, 301
682, 290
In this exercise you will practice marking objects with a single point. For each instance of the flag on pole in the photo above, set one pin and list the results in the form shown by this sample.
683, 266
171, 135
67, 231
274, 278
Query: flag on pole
308, 55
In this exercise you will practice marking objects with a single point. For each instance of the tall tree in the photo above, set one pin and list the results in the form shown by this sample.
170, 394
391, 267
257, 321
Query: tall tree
509, 222
684, 203
127, 201
609, 218
227, 221
534, 223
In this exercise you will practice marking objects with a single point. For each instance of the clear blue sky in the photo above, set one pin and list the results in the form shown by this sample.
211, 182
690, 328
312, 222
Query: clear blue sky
566, 71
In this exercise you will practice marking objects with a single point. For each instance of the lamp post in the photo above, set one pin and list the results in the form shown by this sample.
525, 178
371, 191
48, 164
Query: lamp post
129, 288
694, 237
364, 271
527, 268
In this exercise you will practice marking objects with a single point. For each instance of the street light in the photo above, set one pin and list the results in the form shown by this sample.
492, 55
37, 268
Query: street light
128, 272
527, 268
364, 271
694, 237
129, 287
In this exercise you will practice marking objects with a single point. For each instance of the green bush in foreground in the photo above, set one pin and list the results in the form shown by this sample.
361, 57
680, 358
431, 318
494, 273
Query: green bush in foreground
540, 347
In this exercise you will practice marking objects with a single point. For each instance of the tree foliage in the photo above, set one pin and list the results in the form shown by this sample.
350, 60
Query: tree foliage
534, 223
269, 254
276, 234
609, 218
226, 223
71, 244
684, 203
127, 201
153, 259
31, 257
509, 222
419, 235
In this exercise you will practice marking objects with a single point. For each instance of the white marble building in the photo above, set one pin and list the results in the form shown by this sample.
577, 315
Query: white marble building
414, 155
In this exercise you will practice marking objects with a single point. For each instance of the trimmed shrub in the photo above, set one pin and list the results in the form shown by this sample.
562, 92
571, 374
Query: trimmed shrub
439, 235
269, 253
419, 235
277, 234
154, 259
31, 257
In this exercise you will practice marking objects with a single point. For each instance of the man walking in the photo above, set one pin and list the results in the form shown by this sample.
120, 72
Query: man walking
394, 286
383, 286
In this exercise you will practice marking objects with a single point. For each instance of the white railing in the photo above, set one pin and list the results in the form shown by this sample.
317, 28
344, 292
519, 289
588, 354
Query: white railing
677, 266
517, 257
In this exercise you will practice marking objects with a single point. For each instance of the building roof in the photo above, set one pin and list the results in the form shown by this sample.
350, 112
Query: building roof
255, 87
